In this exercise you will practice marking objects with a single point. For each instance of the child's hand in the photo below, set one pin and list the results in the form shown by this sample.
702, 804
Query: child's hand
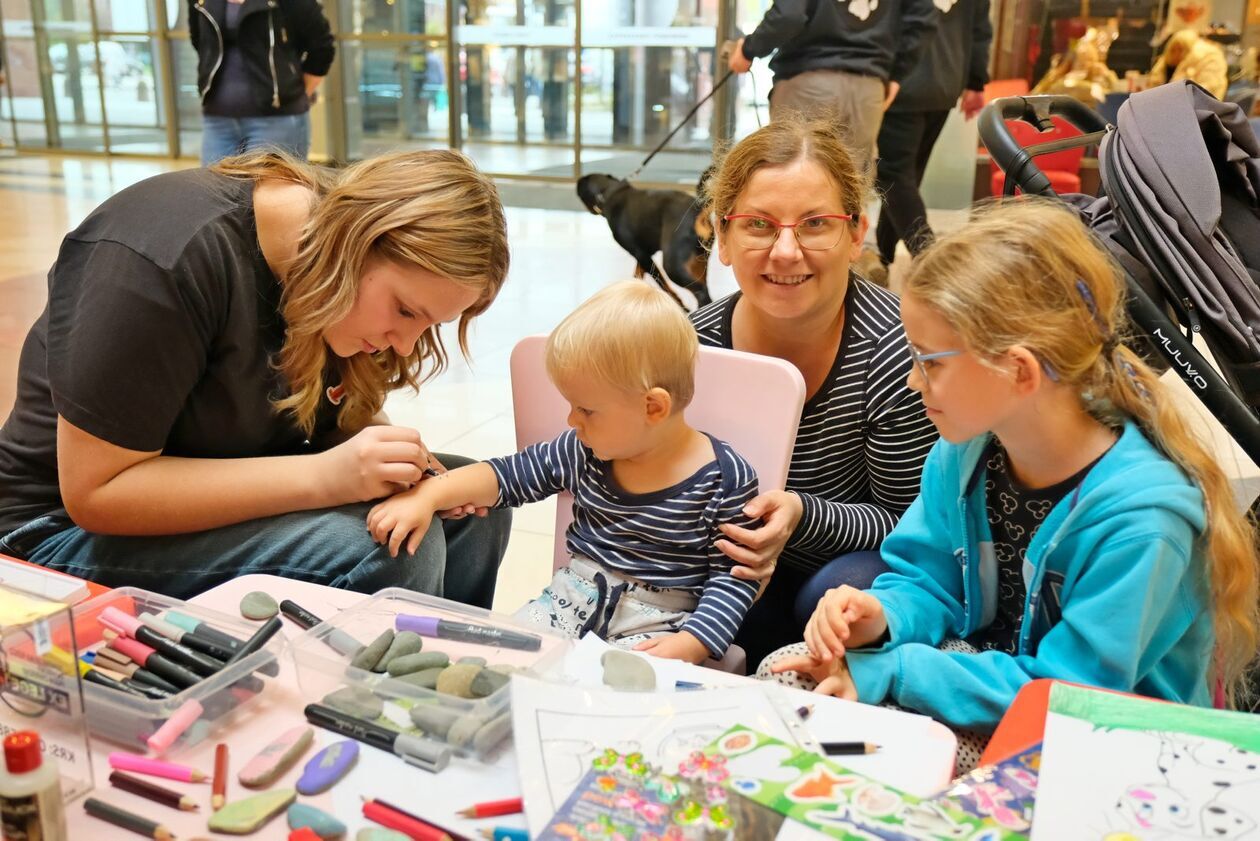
845, 618
833, 676
403, 514
680, 646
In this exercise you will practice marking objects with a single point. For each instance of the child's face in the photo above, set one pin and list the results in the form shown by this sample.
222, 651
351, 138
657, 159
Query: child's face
963, 396
612, 422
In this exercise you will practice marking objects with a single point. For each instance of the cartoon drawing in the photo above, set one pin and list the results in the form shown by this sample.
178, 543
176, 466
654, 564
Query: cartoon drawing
930, 818
862, 9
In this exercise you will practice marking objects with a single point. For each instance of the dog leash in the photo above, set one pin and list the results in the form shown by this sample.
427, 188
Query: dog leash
681, 123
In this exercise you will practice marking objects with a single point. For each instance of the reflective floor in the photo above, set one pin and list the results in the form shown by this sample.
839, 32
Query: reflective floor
559, 257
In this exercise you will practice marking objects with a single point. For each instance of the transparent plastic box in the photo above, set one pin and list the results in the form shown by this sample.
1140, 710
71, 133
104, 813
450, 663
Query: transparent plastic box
323, 670
129, 720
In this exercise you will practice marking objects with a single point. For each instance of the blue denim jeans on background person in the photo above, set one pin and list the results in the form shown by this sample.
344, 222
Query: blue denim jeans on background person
779, 617
222, 137
458, 559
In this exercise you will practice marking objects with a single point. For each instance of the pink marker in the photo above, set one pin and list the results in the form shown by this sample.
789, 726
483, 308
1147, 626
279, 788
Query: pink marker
137, 651
155, 768
175, 726
112, 617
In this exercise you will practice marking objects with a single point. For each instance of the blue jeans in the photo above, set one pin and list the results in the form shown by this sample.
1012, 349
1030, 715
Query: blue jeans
778, 618
223, 137
458, 559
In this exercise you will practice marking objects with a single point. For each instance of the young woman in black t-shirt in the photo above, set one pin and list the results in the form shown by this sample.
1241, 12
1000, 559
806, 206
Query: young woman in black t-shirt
202, 396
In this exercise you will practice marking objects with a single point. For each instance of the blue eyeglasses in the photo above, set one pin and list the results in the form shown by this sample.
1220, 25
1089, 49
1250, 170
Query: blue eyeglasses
920, 358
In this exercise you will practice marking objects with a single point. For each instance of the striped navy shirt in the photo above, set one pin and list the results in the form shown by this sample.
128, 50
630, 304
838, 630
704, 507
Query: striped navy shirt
664, 538
863, 436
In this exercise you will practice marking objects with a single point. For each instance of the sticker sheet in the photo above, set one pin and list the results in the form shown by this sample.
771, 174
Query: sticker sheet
831, 799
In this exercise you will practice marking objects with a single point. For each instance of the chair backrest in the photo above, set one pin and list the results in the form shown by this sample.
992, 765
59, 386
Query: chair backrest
750, 401
1068, 160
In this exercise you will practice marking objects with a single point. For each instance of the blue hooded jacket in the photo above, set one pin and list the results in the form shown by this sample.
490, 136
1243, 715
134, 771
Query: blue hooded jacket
1116, 580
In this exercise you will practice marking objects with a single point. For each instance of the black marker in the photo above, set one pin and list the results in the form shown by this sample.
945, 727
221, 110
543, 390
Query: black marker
336, 639
431, 626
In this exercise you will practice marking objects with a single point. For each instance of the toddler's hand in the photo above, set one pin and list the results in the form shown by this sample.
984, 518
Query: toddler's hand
845, 618
680, 646
401, 515
833, 676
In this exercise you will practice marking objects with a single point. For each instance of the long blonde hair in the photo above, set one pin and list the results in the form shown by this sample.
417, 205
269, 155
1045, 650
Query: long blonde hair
1029, 273
780, 143
431, 209
629, 336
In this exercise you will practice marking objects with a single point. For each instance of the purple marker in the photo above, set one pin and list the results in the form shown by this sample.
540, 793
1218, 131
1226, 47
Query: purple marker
431, 626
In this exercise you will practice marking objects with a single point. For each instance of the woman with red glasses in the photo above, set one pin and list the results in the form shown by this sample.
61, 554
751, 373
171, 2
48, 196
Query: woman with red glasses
789, 202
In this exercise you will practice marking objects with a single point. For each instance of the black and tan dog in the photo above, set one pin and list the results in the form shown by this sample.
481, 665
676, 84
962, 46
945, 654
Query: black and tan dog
644, 222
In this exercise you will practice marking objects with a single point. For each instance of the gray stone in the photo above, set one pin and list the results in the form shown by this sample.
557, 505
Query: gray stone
405, 642
425, 678
488, 682
355, 701
457, 679
491, 733
370, 654
321, 823
409, 663
258, 605
434, 719
376, 833
463, 730
623, 670
472, 661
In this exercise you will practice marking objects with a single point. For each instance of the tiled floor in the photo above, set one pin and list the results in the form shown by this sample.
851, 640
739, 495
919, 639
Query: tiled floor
558, 259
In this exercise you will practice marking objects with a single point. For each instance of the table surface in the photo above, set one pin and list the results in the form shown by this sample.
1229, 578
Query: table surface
435, 797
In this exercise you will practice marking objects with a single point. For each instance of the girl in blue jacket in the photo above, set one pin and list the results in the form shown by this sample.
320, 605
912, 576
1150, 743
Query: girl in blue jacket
1070, 524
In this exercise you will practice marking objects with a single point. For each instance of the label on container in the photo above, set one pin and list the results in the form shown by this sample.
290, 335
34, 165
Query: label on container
30, 818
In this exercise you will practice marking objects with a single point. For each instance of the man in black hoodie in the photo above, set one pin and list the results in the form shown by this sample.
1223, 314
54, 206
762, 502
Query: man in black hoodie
846, 58
955, 62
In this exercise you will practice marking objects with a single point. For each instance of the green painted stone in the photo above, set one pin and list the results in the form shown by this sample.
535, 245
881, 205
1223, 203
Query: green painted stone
405, 642
355, 701
409, 663
487, 682
433, 719
241, 817
623, 670
369, 655
474, 661
375, 833
258, 605
425, 678
491, 733
321, 823
457, 679
463, 730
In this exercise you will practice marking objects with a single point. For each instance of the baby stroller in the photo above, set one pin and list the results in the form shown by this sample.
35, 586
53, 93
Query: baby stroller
1179, 210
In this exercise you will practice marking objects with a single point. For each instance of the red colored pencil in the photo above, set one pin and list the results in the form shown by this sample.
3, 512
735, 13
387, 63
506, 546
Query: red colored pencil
493, 808
218, 788
405, 822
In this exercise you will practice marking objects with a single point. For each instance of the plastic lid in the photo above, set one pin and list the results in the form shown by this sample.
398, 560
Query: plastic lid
21, 752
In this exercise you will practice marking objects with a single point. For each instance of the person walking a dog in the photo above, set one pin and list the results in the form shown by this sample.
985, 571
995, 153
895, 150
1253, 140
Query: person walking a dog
788, 204
956, 63
202, 397
839, 58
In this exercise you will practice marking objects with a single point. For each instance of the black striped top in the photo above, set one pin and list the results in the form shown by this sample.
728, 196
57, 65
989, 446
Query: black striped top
863, 436
664, 538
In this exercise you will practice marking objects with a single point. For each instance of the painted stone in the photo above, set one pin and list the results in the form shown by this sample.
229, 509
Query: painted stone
272, 761
375, 833
623, 670
369, 655
241, 817
355, 701
258, 605
457, 679
327, 767
323, 824
410, 663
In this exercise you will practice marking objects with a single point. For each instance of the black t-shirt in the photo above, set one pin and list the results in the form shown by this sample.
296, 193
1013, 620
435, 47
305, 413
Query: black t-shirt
161, 325
1015, 513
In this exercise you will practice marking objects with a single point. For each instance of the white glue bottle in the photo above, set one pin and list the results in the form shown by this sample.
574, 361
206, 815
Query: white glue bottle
31, 807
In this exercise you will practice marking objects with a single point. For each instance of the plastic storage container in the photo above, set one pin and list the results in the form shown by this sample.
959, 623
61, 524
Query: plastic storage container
323, 668
129, 720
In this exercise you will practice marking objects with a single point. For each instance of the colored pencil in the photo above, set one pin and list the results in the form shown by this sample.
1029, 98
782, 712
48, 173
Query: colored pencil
218, 788
126, 820
392, 817
848, 748
805, 712
493, 808
149, 791
505, 833
155, 768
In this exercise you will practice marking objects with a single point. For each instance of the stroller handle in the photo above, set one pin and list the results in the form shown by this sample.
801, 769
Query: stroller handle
1037, 112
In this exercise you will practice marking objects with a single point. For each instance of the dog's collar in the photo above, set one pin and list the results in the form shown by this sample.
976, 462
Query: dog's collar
604, 197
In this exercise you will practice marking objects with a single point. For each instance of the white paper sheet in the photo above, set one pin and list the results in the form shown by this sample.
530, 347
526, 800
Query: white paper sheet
558, 730
1143, 786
